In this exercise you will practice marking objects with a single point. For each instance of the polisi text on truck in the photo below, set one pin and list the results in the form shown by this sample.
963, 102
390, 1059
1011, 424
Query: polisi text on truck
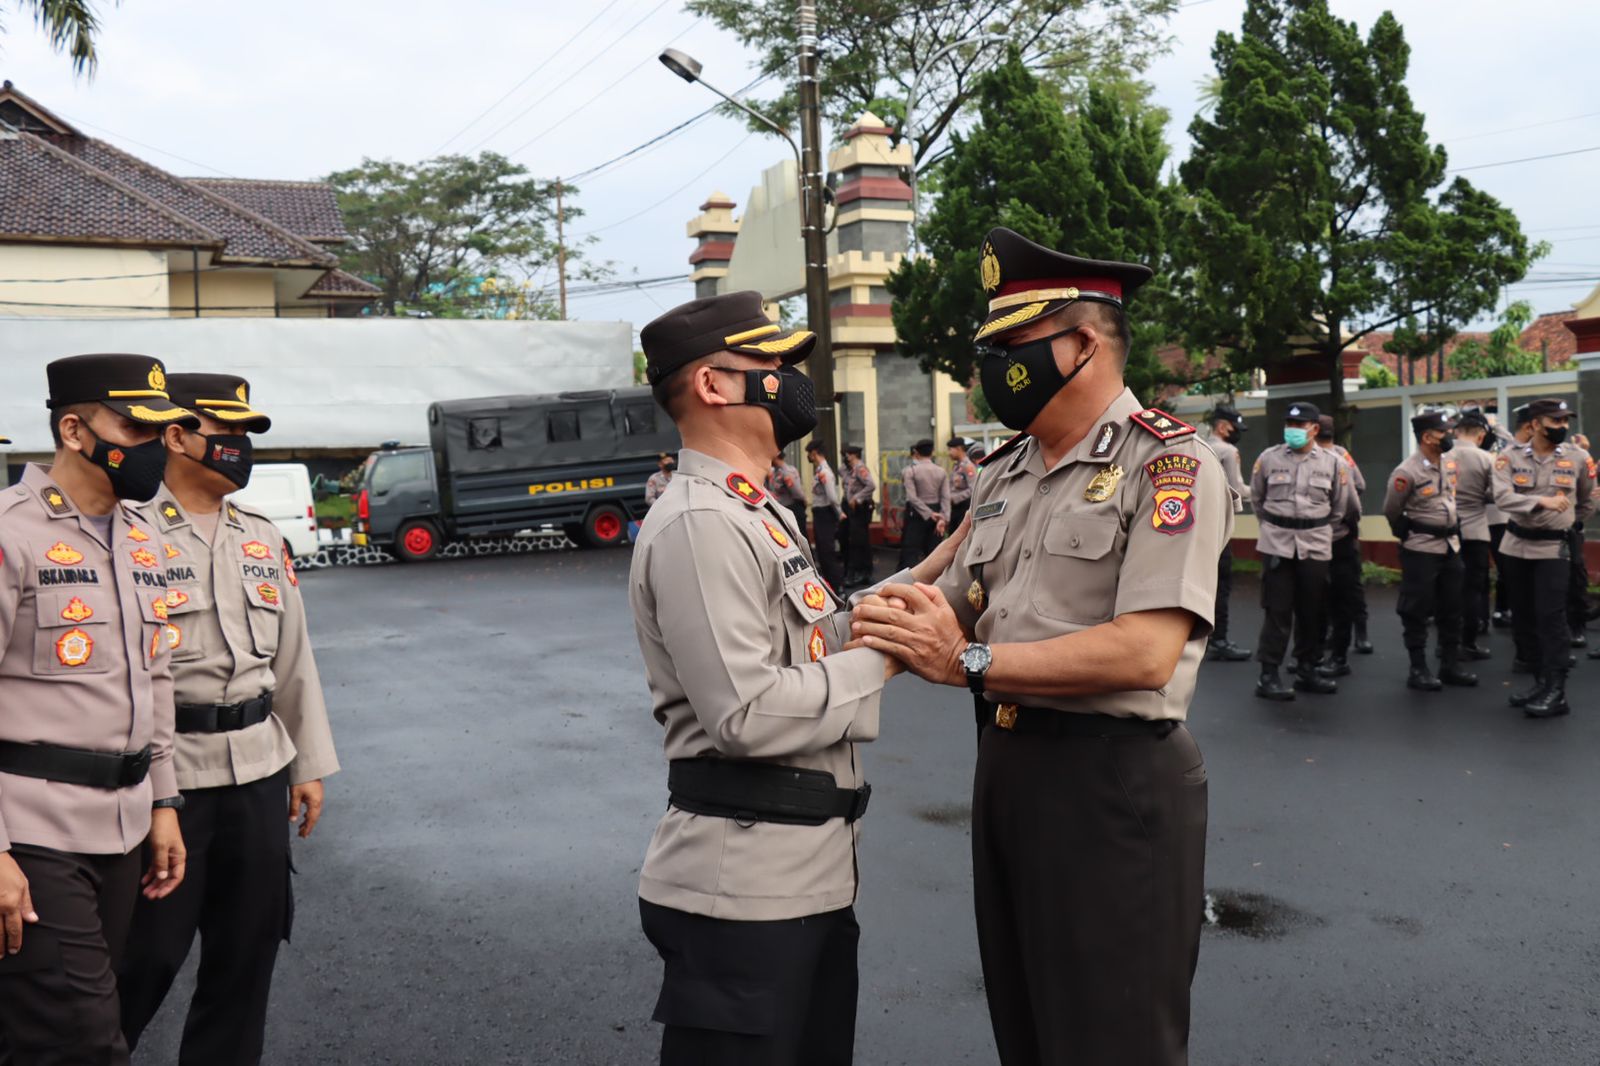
572, 486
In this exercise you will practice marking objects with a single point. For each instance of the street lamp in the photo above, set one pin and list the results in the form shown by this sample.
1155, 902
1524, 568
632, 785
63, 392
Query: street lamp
688, 68
911, 107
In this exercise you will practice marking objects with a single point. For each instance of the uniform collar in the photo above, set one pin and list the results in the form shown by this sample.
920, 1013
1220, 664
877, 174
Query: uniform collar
720, 474
1089, 449
58, 505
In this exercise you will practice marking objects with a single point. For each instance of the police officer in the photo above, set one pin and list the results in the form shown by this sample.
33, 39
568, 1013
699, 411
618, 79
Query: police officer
1477, 513
1521, 430
253, 737
1227, 426
748, 887
1299, 492
657, 484
827, 508
927, 514
1347, 596
783, 485
859, 488
86, 773
1543, 487
963, 472
1420, 507
1578, 577
1078, 612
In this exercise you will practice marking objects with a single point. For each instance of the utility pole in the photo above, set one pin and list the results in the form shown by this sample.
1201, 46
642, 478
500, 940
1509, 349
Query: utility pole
816, 242
561, 251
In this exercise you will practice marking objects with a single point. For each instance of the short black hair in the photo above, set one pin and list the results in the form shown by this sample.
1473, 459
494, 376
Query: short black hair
669, 391
1109, 316
84, 411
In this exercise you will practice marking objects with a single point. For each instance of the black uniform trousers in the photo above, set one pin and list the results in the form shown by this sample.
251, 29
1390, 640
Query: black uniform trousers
1577, 584
58, 996
779, 993
1292, 596
1347, 599
1088, 860
958, 511
1502, 569
236, 894
858, 560
1219, 630
1539, 611
918, 537
1430, 591
801, 517
1475, 556
825, 527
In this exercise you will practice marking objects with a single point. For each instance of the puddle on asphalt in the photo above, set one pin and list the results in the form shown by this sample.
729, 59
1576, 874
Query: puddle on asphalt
950, 814
1253, 915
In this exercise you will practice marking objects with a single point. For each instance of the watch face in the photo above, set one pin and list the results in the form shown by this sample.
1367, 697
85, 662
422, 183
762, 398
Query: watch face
976, 658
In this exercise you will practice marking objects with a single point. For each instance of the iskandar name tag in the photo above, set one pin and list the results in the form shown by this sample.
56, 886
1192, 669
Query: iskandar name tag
988, 510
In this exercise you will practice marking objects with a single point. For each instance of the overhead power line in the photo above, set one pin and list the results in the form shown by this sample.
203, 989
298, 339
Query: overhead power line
1519, 129
674, 193
1526, 159
662, 136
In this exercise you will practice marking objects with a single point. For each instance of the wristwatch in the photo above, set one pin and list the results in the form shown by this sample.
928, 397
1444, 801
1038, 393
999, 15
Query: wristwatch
175, 802
975, 661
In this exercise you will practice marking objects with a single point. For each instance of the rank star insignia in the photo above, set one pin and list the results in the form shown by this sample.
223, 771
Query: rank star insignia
158, 607
741, 487
268, 592
55, 501
817, 645
172, 553
975, 595
77, 611
256, 550
1104, 484
176, 598
74, 648
59, 552
144, 557
779, 537
814, 597
170, 513
137, 535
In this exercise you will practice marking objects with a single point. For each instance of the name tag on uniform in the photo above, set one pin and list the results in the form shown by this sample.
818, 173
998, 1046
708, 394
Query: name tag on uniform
992, 509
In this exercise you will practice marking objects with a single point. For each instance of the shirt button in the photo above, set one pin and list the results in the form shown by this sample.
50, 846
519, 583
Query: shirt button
1027, 553
1074, 542
1044, 489
1004, 612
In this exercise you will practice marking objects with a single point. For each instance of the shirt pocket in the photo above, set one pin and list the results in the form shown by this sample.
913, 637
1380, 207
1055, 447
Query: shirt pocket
264, 606
1280, 485
186, 637
984, 541
1075, 581
72, 632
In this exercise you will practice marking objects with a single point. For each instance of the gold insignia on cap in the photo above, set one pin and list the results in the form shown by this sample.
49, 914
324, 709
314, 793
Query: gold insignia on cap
782, 344
989, 268
1015, 318
748, 335
158, 378
243, 393
1104, 484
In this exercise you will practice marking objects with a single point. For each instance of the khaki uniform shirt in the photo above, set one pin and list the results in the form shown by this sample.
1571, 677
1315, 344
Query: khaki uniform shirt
1474, 491
1311, 484
742, 642
962, 475
927, 489
859, 484
83, 665
824, 487
655, 486
1522, 476
237, 629
783, 484
1232, 471
1424, 491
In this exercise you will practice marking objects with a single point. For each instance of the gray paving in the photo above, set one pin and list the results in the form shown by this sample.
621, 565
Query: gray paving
1405, 878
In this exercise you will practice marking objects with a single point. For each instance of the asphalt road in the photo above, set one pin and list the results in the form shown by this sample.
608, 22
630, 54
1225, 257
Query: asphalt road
1401, 878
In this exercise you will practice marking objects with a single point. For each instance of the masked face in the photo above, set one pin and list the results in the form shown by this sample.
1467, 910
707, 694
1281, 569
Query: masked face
787, 395
135, 470
1555, 434
1019, 380
1296, 437
231, 455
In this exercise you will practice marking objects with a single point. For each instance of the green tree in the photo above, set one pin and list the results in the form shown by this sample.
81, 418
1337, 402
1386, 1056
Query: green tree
71, 25
1088, 181
455, 235
1315, 219
871, 50
1502, 354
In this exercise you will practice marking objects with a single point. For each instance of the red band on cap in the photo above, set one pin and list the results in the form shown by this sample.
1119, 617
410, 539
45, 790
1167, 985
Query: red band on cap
1110, 285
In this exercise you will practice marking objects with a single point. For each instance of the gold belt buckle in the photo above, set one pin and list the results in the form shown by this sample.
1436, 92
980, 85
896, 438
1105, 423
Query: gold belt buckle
1005, 715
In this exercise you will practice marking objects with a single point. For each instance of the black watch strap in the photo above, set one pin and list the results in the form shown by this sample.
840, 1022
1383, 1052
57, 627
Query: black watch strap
174, 802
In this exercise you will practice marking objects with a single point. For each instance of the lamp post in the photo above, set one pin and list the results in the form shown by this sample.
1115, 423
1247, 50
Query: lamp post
911, 107
809, 160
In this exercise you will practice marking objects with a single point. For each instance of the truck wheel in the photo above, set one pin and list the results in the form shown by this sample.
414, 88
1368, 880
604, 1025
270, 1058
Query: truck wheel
605, 527
417, 541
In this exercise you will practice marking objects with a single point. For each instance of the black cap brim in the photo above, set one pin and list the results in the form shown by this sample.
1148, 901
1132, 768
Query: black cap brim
154, 411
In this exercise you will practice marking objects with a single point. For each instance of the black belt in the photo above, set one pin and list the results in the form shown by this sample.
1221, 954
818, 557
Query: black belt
762, 792
75, 766
1293, 523
1047, 720
223, 717
1433, 531
1538, 534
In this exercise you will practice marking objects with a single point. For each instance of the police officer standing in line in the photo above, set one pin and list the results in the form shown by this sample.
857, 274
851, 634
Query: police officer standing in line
859, 488
1078, 612
1521, 431
657, 484
927, 514
783, 485
1420, 506
1477, 513
827, 508
748, 887
86, 717
1578, 580
1543, 487
1347, 596
1299, 492
1227, 426
963, 472
252, 735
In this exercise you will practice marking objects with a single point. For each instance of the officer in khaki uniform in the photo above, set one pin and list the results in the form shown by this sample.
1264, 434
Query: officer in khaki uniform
927, 512
1543, 487
1299, 492
253, 739
1347, 596
963, 472
783, 485
1420, 507
86, 717
748, 887
1478, 516
859, 488
1077, 611
658, 482
1227, 426
827, 507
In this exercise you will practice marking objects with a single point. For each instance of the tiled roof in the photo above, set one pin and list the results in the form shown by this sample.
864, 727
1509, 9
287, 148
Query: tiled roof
1552, 329
337, 283
308, 209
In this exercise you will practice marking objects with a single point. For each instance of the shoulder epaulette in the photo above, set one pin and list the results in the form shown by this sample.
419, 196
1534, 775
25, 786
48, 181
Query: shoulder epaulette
11, 499
1160, 424
251, 511
1005, 449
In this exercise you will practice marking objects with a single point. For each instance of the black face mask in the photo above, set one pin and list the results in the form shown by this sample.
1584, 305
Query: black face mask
231, 455
135, 470
1446, 442
1555, 434
1018, 381
788, 397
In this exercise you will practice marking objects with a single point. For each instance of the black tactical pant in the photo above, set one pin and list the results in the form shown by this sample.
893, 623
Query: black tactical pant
1539, 611
1502, 569
777, 993
1347, 598
801, 515
1088, 860
1430, 591
825, 530
919, 537
958, 511
1219, 628
58, 996
1577, 584
1292, 595
236, 895
858, 560
1474, 589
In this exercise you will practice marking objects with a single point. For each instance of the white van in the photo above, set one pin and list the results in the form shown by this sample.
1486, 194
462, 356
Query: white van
282, 492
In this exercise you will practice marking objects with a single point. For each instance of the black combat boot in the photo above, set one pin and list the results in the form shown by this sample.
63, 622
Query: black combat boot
1335, 665
1224, 650
1522, 699
1308, 679
1552, 702
1475, 653
1451, 673
1420, 677
1363, 645
1271, 686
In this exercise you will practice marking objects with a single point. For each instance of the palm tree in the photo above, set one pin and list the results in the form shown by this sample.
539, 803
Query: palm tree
71, 26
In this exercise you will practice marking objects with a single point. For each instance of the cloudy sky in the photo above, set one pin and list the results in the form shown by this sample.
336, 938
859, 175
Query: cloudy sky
296, 89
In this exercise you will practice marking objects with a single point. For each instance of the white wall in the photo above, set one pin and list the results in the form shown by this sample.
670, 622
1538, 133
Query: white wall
105, 282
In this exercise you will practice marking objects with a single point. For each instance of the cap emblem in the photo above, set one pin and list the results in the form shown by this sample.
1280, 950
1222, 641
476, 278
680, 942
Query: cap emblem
989, 268
243, 393
158, 378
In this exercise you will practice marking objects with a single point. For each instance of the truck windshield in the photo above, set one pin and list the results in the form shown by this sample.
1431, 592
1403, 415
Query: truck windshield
396, 468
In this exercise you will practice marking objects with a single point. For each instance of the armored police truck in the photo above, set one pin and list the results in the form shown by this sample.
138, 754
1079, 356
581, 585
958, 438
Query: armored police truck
570, 461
